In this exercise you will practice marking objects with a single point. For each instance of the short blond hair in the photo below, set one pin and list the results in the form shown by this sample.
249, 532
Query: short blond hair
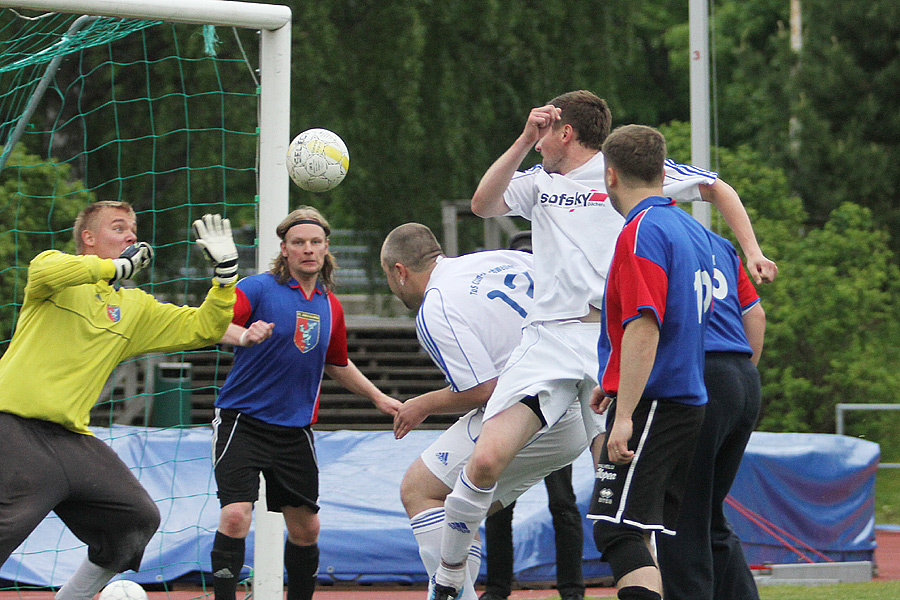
87, 219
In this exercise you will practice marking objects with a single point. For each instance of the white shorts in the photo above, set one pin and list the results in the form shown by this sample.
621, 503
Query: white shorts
557, 362
549, 450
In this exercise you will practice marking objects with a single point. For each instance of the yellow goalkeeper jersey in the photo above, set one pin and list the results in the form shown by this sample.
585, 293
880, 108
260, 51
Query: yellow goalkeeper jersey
74, 328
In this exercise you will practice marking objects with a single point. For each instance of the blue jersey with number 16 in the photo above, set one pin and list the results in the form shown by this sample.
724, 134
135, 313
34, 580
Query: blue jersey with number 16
663, 263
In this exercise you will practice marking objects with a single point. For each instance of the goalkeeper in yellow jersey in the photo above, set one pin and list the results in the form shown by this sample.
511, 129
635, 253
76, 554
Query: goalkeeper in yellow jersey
74, 327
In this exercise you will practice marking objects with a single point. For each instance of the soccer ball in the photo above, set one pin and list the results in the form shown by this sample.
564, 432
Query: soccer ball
123, 589
317, 160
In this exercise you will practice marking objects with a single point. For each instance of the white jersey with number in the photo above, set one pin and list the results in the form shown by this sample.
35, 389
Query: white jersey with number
472, 315
574, 229
470, 322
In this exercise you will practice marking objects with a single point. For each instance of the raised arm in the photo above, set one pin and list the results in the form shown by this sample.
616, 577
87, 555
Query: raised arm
487, 201
726, 199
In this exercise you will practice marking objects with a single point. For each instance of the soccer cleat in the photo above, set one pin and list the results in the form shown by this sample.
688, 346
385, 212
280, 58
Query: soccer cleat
437, 591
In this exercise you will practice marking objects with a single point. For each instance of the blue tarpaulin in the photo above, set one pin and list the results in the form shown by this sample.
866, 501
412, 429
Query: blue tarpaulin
816, 488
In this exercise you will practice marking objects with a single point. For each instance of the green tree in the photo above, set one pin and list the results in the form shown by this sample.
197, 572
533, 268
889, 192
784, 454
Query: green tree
39, 201
831, 333
827, 114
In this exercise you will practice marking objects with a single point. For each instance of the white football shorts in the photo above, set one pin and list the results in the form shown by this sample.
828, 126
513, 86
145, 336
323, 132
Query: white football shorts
557, 362
549, 450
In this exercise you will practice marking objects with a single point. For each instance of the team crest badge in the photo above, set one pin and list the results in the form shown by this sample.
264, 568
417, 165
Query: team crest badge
114, 313
306, 335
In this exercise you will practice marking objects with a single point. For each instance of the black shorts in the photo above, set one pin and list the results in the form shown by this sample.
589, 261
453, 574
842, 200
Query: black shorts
646, 493
244, 447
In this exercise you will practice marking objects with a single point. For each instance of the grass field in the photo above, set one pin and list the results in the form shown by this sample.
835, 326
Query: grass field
870, 590
887, 497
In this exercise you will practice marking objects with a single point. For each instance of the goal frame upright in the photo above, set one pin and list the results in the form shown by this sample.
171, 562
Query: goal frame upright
274, 23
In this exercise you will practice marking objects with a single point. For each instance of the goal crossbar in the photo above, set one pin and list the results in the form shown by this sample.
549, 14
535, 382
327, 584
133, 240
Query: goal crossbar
225, 13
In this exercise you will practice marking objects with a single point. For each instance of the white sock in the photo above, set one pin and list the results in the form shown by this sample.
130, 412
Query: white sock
85, 583
474, 563
465, 508
427, 528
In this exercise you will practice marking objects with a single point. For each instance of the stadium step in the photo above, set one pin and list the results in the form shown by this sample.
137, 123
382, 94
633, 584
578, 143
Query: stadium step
385, 350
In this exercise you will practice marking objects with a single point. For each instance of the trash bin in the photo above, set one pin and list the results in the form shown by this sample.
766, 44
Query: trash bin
171, 394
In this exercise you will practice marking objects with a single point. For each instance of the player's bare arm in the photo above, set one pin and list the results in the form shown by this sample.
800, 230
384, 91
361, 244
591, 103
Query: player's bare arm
726, 199
353, 379
440, 402
755, 328
258, 332
487, 201
639, 343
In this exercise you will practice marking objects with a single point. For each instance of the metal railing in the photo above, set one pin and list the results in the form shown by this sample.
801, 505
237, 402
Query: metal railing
841, 408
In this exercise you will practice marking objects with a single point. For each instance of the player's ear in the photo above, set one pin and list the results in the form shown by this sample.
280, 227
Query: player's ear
87, 238
402, 272
612, 178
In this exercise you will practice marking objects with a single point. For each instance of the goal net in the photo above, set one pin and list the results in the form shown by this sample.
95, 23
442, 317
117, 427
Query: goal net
175, 109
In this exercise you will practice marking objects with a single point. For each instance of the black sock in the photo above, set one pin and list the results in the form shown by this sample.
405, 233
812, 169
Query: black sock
302, 564
227, 558
637, 592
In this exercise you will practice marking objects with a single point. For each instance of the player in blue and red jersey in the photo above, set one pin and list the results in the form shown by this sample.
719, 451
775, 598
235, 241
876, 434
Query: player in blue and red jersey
656, 307
705, 559
271, 398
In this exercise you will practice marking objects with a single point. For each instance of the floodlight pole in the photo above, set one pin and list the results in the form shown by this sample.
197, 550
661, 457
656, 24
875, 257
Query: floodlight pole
698, 18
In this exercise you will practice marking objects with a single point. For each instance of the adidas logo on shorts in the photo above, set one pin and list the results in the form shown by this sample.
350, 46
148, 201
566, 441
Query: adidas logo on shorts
460, 527
442, 456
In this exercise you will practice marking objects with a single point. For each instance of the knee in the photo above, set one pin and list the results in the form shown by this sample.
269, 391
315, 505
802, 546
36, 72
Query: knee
303, 528
144, 523
483, 469
235, 519
624, 548
410, 496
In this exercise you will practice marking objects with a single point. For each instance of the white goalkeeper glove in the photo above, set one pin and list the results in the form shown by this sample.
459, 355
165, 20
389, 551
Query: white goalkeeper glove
214, 237
133, 258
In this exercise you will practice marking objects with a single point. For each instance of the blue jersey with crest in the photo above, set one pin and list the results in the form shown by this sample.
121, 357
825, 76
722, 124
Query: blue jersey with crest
279, 380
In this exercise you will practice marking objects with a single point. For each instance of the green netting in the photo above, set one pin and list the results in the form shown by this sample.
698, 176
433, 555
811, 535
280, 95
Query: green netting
160, 115
137, 111
25, 42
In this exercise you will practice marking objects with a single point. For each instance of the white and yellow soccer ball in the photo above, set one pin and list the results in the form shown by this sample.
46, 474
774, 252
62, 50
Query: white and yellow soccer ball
317, 160
123, 589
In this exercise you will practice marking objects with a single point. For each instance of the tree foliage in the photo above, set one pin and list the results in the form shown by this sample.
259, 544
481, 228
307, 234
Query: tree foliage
39, 204
428, 94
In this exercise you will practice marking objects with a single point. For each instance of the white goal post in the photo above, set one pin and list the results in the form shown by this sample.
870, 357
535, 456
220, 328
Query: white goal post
274, 23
